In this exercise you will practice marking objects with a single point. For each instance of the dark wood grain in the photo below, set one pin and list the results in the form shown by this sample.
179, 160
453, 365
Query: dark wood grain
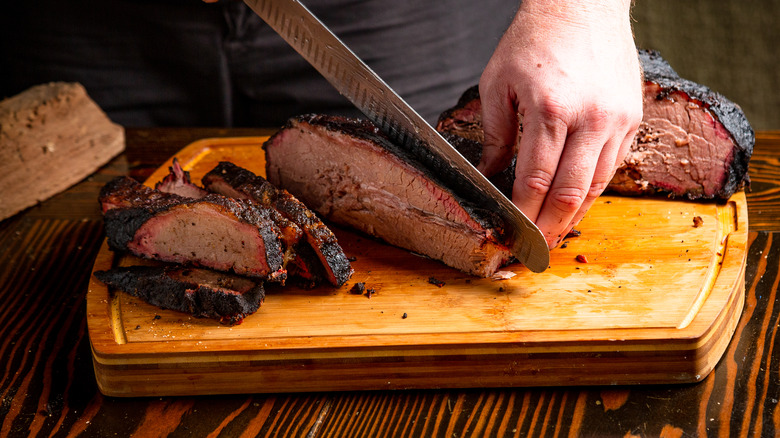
47, 385
764, 194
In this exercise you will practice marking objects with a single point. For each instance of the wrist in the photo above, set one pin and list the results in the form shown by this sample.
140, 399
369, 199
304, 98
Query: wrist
582, 13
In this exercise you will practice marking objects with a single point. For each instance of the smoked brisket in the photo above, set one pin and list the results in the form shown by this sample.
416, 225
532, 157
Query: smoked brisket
692, 143
214, 231
200, 292
350, 173
178, 182
324, 257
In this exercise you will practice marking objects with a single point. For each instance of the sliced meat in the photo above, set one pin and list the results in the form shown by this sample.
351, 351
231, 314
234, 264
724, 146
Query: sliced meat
329, 259
199, 292
178, 182
692, 142
351, 174
122, 192
215, 231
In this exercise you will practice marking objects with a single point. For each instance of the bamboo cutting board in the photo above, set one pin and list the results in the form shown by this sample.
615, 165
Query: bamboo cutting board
657, 302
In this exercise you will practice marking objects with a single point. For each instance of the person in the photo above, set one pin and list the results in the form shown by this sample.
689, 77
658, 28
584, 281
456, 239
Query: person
567, 69
570, 69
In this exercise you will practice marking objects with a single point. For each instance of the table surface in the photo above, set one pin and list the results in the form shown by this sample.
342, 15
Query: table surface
48, 385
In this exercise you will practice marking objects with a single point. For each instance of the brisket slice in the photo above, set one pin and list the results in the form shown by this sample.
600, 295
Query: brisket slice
329, 261
178, 182
692, 142
199, 292
317, 258
351, 174
215, 231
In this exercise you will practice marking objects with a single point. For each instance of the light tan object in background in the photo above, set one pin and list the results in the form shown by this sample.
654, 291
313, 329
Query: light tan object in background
51, 137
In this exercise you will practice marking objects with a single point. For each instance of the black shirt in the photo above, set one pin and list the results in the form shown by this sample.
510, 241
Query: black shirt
185, 62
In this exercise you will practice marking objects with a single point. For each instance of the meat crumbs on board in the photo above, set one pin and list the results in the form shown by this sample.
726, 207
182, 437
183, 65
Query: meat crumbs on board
435, 282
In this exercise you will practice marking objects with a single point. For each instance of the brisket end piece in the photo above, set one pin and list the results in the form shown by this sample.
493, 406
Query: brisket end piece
692, 143
351, 174
200, 292
214, 231
328, 262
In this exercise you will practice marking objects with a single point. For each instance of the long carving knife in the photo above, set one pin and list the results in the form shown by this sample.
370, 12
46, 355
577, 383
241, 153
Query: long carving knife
369, 93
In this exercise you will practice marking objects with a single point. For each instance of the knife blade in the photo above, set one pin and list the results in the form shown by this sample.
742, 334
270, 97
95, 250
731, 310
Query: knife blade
369, 93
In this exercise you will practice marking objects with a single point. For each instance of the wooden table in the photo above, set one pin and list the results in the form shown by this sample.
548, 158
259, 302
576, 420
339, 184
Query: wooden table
48, 386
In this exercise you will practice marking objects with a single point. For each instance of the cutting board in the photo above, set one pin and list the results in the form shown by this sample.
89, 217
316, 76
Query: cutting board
653, 299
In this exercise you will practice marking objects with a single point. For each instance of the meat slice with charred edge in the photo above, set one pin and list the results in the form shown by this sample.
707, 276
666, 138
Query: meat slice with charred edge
178, 182
214, 231
329, 260
200, 292
692, 143
351, 174
319, 257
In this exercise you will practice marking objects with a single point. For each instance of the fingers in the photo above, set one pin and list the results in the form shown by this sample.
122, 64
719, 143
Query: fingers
555, 172
538, 155
601, 177
580, 102
500, 125
586, 166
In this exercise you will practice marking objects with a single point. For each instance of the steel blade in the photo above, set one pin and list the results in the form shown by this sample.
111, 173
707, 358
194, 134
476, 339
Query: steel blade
369, 93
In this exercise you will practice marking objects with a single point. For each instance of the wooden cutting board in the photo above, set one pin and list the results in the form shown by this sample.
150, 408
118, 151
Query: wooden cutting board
657, 302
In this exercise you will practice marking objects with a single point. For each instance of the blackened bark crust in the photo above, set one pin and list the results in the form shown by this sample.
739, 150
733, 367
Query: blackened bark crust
201, 293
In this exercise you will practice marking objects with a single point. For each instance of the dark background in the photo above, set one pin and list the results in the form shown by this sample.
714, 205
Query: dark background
731, 46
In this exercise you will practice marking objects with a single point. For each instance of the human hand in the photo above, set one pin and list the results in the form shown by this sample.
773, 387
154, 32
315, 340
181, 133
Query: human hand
570, 70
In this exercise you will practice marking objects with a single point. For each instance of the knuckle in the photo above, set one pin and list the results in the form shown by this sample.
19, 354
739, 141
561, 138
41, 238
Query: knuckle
567, 200
536, 184
635, 119
599, 117
554, 113
597, 188
629, 119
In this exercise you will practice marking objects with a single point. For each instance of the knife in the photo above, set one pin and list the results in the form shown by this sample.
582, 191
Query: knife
399, 121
